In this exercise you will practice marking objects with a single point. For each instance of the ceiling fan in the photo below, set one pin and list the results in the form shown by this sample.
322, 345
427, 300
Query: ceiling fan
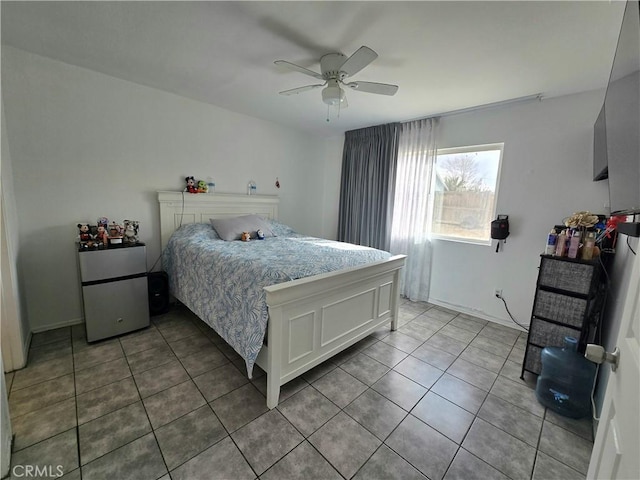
335, 68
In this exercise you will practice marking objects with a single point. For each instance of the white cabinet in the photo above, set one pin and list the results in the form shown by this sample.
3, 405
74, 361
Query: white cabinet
114, 290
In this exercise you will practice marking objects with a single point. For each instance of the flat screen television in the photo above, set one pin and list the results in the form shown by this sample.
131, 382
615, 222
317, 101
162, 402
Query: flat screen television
600, 163
622, 117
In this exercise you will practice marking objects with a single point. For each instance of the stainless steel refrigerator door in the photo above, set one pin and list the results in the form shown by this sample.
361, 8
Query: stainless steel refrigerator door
112, 263
114, 308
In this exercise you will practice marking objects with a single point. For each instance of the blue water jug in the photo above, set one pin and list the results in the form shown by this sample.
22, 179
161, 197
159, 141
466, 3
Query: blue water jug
566, 380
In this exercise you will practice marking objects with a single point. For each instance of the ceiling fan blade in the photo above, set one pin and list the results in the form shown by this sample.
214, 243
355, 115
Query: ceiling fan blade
360, 59
298, 68
373, 87
306, 88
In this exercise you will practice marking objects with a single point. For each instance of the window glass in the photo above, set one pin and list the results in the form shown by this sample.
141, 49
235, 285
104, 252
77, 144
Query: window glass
465, 188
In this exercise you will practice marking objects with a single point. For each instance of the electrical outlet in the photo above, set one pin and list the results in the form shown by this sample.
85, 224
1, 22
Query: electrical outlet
498, 293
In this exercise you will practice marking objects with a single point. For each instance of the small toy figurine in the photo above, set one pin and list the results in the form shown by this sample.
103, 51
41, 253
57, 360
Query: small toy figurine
102, 236
85, 236
191, 185
84, 232
115, 233
260, 235
203, 187
245, 237
131, 232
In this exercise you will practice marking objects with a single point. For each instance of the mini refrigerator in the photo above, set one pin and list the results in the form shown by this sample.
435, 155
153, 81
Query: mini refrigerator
114, 290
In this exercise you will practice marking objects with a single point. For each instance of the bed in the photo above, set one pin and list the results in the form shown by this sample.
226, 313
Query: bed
296, 323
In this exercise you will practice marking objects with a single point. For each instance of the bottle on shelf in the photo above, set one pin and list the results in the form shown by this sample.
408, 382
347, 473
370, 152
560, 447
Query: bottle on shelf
251, 188
561, 244
552, 240
211, 184
589, 244
574, 244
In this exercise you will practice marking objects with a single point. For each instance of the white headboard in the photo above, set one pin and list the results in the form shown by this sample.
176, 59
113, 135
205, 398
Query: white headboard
181, 208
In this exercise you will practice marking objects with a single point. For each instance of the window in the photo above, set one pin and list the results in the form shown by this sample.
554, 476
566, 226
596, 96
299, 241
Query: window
465, 187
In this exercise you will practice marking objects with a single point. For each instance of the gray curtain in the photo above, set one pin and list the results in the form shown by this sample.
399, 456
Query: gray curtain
368, 184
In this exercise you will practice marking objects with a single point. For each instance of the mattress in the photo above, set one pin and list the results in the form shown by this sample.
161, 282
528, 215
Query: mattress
222, 281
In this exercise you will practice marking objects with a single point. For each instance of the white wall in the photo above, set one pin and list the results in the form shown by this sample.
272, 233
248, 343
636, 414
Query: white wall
546, 176
85, 145
332, 174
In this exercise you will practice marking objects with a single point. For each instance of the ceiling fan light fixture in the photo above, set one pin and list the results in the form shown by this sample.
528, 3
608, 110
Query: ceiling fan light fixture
333, 95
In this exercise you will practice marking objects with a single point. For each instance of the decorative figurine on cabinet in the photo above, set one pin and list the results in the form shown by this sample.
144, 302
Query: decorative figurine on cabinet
85, 236
203, 187
115, 233
102, 236
131, 232
191, 185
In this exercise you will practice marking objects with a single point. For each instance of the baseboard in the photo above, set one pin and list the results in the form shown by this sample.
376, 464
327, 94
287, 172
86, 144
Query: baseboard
477, 314
53, 326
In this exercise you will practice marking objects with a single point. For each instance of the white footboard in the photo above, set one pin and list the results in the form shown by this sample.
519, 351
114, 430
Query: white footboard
314, 318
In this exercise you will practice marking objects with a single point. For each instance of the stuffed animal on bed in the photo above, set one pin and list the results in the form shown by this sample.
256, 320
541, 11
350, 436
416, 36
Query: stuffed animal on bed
260, 235
245, 237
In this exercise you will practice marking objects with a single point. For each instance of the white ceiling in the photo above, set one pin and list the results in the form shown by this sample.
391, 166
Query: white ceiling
444, 55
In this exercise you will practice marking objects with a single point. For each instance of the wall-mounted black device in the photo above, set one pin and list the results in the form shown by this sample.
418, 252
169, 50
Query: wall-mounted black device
500, 229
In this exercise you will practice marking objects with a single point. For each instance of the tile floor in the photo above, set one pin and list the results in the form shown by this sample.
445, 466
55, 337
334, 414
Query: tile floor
439, 398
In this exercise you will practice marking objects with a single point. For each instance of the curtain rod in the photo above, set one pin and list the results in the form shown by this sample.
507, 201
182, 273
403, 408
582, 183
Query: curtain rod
537, 96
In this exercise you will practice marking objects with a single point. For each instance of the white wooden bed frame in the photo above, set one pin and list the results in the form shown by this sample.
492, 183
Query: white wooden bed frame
310, 319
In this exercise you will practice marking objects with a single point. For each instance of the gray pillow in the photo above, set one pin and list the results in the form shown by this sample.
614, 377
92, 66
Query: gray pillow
230, 229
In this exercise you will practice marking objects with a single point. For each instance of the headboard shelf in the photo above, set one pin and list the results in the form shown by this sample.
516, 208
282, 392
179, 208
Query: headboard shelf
181, 208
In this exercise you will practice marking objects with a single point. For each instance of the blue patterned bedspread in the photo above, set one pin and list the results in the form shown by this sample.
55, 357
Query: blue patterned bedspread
222, 282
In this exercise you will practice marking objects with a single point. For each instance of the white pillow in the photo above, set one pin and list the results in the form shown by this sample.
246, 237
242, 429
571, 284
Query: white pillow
230, 229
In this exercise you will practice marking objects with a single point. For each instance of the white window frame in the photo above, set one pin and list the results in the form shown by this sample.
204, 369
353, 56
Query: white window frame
465, 149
